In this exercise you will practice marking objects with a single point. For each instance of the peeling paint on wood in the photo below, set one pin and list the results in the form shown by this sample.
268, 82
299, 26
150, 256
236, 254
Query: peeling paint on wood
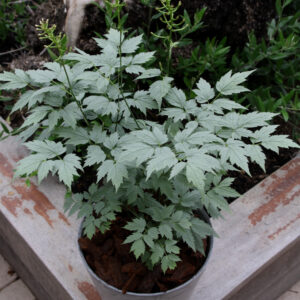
283, 228
279, 191
11, 204
63, 218
6, 168
251, 246
88, 291
41, 203
27, 211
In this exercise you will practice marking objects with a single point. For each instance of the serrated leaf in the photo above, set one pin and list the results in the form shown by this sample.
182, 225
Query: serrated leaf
138, 248
171, 247
37, 114
39, 95
134, 69
104, 169
111, 141
44, 169
163, 158
177, 114
275, 141
202, 161
169, 262
195, 175
176, 97
189, 239
79, 136
226, 191
149, 73
84, 61
253, 119
159, 136
156, 138
115, 172
235, 152
153, 232
148, 240
67, 168
137, 151
97, 135
41, 76
202, 138
90, 230
114, 36
132, 44
53, 118
16, 80
29, 164
101, 105
201, 228
26, 134
137, 224
159, 89
165, 231
133, 237
94, 156
227, 104
177, 169
204, 92
142, 58
47, 148
69, 115
264, 131
142, 101
229, 84
23, 100
157, 254
91, 79
53, 66
256, 155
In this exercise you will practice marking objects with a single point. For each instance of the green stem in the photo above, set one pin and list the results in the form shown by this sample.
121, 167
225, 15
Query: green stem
73, 95
169, 53
120, 73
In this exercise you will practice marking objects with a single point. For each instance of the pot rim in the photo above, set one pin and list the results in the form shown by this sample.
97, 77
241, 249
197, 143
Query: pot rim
199, 272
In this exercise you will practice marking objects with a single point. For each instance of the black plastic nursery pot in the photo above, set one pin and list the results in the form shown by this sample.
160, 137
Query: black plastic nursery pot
183, 291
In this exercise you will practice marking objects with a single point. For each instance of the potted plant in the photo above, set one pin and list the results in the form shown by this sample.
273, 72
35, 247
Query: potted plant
141, 160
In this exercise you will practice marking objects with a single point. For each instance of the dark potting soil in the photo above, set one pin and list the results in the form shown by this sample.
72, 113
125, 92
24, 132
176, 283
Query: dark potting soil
112, 261
234, 19
107, 255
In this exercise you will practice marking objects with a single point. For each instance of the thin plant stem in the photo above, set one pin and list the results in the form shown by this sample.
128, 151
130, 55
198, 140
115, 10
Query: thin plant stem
72, 93
120, 73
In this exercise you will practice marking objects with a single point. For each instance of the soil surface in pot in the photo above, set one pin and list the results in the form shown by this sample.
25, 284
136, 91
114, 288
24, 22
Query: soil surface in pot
112, 261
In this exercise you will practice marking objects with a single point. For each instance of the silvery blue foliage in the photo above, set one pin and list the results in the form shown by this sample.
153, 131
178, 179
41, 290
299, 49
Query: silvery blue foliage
82, 115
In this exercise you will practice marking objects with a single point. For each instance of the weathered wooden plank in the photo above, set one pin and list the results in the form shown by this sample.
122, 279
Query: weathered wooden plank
16, 291
257, 256
36, 231
6, 277
292, 293
261, 231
